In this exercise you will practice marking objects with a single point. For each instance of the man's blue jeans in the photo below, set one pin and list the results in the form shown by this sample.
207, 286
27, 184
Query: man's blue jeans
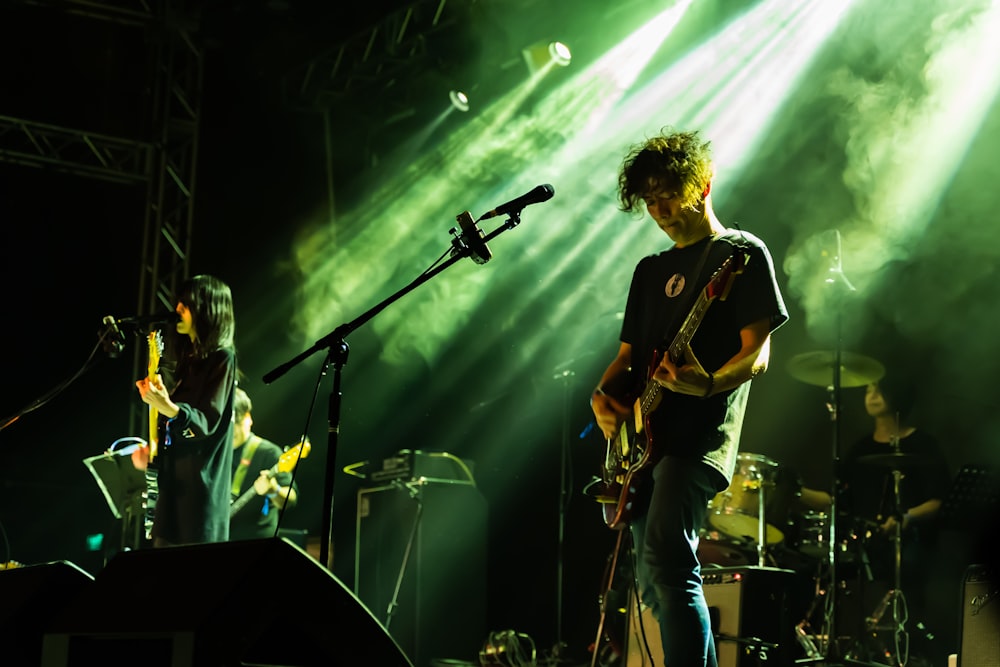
665, 542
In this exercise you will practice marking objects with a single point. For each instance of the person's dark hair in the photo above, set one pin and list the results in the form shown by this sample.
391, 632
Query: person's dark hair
211, 304
898, 393
678, 160
242, 405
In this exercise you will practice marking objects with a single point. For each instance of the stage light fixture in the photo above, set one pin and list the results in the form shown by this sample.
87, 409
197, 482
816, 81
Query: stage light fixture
543, 55
459, 100
560, 54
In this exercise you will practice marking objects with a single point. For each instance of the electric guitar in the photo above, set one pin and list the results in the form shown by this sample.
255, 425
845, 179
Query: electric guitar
152, 490
286, 463
631, 449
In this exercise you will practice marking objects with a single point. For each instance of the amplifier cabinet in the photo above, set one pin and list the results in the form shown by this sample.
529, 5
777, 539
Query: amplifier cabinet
752, 607
980, 619
749, 606
420, 565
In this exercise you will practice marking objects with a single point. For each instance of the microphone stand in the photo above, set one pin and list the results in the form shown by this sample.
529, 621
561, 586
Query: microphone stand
568, 379
337, 352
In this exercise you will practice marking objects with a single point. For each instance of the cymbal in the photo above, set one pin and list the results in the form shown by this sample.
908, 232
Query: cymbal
895, 460
856, 370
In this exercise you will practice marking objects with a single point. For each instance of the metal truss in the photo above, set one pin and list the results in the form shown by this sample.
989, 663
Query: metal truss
74, 151
127, 12
164, 165
378, 54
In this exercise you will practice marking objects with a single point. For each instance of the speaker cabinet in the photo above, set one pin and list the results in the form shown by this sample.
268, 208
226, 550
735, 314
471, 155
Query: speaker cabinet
980, 620
420, 566
642, 639
749, 607
257, 602
752, 608
30, 597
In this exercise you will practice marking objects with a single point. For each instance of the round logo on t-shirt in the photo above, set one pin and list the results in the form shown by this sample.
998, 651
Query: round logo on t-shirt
674, 286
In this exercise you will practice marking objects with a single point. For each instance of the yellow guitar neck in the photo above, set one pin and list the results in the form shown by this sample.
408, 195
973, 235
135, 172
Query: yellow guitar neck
152, 370
153, 434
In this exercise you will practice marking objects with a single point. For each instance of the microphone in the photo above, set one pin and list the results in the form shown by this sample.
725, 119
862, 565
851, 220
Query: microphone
114, 340
169, 317
539, 194
474, 238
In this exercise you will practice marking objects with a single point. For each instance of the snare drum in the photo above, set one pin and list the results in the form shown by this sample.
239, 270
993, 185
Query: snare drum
813, 534
718, 550
737, 510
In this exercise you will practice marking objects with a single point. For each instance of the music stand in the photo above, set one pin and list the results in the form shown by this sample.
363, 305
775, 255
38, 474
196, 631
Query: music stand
973, 496
122, 486
973, 501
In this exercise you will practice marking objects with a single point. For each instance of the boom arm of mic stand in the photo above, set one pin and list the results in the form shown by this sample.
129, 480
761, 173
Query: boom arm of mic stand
343, 330
336, 343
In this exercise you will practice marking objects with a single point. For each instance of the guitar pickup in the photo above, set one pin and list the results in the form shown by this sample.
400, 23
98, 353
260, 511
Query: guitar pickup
637, 417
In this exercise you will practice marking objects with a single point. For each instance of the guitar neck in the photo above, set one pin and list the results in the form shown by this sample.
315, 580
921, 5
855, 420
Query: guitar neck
286, 463
688, 328
649, 398
152, 370
154, 435
248, 495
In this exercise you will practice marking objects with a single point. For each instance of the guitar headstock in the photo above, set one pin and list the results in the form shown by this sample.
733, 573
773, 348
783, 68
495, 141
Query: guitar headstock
288, 460
722, 280
155, 339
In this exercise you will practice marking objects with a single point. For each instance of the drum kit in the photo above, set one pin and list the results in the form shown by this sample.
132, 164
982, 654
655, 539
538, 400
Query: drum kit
757, 512
752, 512
757, 520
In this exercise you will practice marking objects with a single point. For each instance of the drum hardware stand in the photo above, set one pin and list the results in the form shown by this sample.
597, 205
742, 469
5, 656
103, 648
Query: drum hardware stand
842, 285
815, 369
763, 551
802, 635
894, 598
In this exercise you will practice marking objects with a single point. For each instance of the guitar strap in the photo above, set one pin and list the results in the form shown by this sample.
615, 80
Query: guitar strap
693, 289
247, 451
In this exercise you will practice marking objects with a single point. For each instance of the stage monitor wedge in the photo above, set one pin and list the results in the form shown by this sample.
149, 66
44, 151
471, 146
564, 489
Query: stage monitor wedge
31, 596
253, 602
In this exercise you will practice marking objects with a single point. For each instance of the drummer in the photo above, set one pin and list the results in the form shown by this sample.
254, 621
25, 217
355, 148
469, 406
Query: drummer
867, 492
866, 477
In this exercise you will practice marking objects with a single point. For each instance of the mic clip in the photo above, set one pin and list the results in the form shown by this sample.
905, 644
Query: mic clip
470, 241
111, 338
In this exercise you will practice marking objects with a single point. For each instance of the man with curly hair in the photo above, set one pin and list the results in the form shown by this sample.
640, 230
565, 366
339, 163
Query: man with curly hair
697, 328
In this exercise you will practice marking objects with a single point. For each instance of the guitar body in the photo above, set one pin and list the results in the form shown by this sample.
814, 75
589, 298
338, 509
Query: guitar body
628, 454
286, 463
621, 494
152, 489
633, 449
